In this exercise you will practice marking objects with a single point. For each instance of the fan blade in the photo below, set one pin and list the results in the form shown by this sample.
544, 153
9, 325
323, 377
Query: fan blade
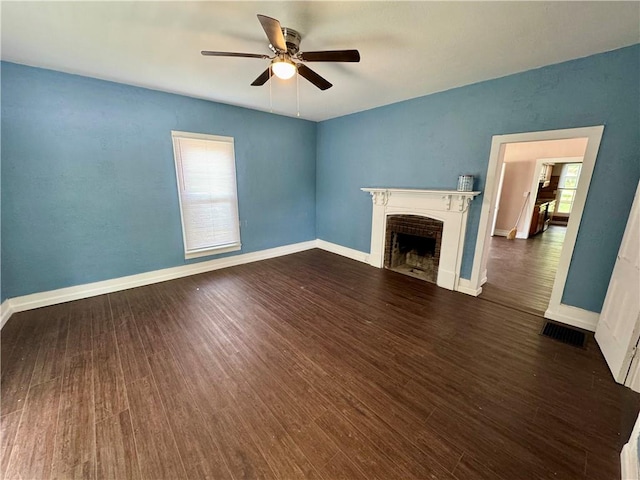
331, 56
273, 30
209, 53
263, 78
313, 77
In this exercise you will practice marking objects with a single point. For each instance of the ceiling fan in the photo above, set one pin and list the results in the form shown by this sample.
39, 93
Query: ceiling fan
287, 58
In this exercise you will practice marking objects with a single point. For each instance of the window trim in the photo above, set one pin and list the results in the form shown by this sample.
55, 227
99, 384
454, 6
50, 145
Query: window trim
218, 249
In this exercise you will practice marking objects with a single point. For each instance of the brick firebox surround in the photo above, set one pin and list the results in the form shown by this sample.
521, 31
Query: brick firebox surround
417, 226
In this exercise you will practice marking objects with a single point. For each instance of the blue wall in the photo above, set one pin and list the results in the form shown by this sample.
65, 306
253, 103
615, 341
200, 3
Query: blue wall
428, 141
88, 179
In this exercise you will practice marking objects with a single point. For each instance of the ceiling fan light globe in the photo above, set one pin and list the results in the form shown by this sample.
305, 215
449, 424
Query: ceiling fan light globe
283, 69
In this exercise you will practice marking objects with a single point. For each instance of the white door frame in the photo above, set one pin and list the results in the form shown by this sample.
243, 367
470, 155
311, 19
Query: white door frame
498, 195
556, 310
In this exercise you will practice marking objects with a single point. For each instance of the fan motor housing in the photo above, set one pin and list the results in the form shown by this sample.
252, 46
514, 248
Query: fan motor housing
292, 39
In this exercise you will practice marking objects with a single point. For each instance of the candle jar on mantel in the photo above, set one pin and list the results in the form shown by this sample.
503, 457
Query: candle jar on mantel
465, 183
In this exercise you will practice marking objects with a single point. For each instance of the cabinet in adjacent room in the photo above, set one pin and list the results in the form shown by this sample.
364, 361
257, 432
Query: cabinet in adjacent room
541, 218
545, 175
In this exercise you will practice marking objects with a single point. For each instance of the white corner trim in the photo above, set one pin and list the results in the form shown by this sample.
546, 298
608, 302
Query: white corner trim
52, 297
574, 316
344, 251
464, 286
6, 310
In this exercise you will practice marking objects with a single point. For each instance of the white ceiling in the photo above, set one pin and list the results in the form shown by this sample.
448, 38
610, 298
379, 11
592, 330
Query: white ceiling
408, 49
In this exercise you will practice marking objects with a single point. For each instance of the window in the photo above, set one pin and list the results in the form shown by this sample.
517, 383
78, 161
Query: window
206, 175
567, 186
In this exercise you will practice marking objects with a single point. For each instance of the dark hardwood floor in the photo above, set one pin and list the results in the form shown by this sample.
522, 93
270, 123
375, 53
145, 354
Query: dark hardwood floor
305, 366
520, 273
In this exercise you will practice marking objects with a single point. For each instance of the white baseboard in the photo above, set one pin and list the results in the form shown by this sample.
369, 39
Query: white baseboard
52, 297
574, 316
6, 310
464, 286
344, 251
504, 233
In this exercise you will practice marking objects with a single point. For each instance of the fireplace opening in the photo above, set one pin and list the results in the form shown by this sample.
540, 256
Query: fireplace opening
413, 246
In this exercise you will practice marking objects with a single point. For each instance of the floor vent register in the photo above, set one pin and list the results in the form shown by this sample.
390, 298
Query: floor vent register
564, 334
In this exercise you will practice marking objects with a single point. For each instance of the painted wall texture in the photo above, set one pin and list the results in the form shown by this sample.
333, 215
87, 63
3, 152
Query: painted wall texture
88, 178
427, 142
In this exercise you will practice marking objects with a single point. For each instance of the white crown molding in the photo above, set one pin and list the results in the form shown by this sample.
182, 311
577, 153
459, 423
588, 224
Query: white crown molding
573, 316
52, 297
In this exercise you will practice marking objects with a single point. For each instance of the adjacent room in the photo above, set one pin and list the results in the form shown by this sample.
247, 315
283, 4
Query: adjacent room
534, 199
272, 240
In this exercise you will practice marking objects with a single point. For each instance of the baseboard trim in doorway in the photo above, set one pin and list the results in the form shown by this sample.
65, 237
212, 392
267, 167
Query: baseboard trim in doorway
464, 286
574, 316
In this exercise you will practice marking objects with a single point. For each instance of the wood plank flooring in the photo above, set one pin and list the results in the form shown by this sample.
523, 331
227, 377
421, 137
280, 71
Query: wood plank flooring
520, 273
305, 366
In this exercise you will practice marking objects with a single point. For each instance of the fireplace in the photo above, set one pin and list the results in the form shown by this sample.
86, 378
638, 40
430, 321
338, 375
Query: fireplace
412, 246
428, 238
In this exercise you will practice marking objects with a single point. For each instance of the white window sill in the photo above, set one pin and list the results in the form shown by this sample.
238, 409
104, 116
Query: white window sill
212, 251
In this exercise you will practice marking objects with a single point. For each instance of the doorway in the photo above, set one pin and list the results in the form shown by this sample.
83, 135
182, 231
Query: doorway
555, 310
535, 196
520, 273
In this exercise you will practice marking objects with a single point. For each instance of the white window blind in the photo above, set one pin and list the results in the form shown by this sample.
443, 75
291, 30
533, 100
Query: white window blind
206, 175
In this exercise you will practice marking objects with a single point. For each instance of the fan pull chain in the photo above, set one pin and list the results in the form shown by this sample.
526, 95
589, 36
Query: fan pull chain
270, 97
297, 92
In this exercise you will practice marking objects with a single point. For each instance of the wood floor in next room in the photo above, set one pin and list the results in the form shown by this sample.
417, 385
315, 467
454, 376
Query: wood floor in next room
305, 366
520, 273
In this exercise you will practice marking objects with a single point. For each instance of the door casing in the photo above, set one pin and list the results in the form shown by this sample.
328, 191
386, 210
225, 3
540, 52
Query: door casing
556, 310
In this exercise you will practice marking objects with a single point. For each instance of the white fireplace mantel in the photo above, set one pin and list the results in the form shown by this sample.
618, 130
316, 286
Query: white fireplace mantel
448, 206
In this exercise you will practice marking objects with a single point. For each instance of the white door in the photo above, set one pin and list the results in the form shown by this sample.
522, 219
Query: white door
618, 329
